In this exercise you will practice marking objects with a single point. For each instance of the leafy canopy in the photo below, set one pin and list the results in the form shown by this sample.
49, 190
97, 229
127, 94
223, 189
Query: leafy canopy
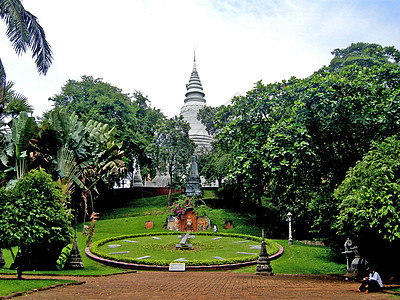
369, 196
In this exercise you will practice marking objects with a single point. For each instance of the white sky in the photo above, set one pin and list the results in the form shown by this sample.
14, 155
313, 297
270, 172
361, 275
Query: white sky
147, 45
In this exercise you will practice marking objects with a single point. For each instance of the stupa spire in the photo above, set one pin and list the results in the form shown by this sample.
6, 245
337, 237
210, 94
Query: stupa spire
194, 101
194, 87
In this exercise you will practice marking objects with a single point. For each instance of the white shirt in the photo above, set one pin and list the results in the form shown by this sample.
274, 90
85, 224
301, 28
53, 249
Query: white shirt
375, 276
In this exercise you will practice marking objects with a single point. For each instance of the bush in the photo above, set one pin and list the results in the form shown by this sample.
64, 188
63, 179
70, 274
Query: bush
34, 218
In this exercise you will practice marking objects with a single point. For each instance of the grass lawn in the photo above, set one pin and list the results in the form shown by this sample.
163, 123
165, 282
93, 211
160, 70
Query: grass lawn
302, 259
10, 286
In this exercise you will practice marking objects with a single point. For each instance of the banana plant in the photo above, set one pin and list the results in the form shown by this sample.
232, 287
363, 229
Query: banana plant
15, 145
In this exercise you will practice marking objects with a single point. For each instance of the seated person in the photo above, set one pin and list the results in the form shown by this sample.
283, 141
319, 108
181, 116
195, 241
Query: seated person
372, 283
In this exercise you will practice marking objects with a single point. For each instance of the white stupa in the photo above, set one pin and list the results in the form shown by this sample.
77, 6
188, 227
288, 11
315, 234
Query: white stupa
195, 101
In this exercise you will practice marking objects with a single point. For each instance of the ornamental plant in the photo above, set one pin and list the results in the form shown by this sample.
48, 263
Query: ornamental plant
179, 206
35, 219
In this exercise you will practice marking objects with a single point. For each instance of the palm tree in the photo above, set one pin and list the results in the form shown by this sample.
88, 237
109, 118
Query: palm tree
14, 103
23, 31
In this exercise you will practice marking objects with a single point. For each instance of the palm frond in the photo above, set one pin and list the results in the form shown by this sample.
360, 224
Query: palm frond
2, 86
41, 50
24, 32
15, 102
13, 13
22, 129
68, 170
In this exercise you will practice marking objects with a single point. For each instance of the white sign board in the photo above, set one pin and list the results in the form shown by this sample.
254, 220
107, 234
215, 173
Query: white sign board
177, 267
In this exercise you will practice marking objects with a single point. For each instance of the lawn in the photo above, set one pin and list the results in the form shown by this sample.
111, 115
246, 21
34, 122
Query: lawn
302, 259
11, 286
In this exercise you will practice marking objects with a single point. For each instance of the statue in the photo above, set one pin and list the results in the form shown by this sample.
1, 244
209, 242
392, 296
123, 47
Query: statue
348, 252
189, 224
193, 185
357, 265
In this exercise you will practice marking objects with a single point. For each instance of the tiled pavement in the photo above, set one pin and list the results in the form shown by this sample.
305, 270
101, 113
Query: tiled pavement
208, 285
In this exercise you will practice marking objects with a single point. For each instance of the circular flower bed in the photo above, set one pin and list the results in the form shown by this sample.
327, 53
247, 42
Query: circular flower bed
158, 249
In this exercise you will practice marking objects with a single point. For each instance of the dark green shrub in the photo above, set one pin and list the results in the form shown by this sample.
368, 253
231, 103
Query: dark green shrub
34, 218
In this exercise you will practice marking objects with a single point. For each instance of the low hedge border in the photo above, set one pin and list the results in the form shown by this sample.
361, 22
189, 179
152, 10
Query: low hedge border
94, 253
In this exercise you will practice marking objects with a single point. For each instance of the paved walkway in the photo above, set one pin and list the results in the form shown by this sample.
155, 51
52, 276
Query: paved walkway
208, 285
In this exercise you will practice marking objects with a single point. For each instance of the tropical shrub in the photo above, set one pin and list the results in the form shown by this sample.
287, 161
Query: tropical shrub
35, 219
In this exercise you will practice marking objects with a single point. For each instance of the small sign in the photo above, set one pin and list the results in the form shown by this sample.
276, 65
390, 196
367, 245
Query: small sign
177, 267
122, 252
241, 242
113, 246
247, 253
155, 237
217, 238
129, 241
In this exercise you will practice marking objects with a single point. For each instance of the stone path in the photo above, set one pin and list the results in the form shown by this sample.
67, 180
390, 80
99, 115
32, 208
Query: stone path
208, 285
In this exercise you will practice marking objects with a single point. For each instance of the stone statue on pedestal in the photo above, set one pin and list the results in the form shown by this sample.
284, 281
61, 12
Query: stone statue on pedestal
193, 185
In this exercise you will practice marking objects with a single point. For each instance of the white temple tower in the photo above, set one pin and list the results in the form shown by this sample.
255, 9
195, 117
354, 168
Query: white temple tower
195, 101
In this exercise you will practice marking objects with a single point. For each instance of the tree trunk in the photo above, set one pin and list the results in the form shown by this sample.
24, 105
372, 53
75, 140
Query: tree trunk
170, 187
259, 202
19, 269
19, 262
219, 182
169, 196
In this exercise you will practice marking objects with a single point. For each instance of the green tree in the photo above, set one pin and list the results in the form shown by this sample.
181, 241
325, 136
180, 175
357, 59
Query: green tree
369, 195
93, 99
292, 142
172, 150
35, 219
214, 165
24, 32
78, 154
369, 206
364, 55
207, 116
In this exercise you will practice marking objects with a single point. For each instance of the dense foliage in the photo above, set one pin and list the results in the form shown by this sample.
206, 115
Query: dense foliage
292, 142
34, 218
172, 149
368, 197
93, 99
364, 55
78, 155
